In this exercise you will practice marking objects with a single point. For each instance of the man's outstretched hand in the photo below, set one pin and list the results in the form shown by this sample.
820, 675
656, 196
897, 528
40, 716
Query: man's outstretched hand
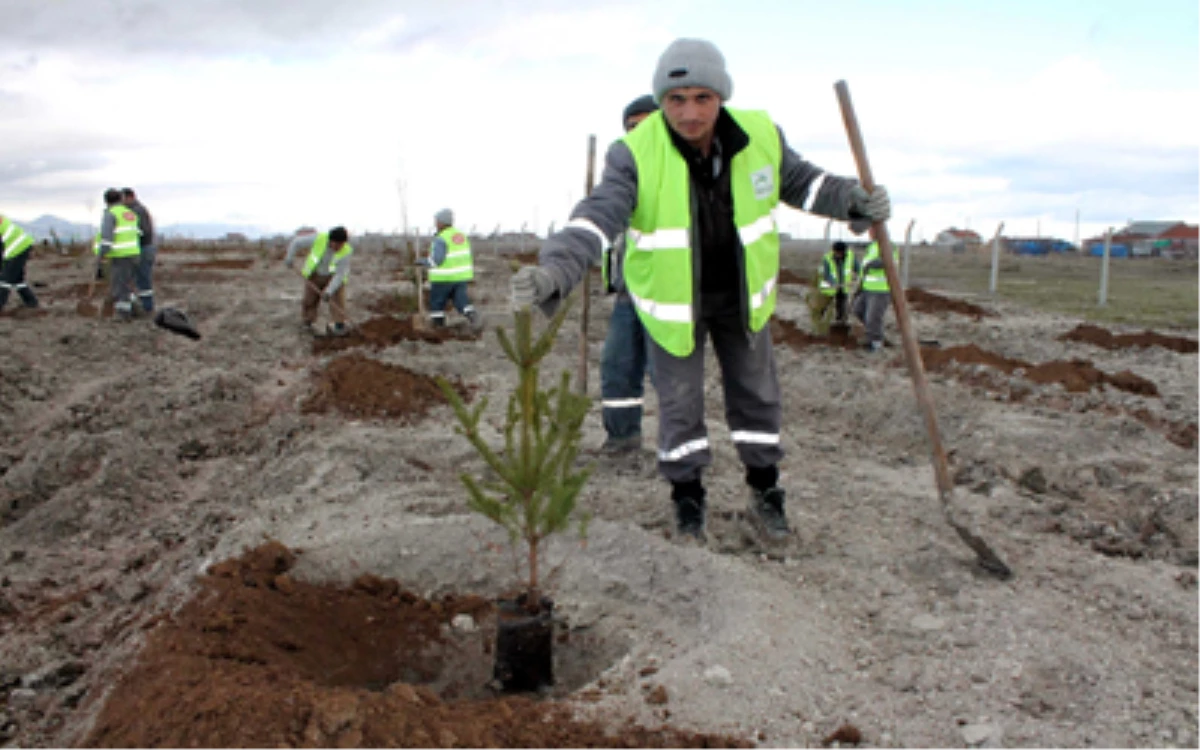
531, 286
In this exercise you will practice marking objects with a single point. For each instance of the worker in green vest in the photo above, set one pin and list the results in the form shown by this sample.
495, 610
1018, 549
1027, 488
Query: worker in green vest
326, 270
697, 183
451, 268
874, 297
119, 246
838, 274
14, 253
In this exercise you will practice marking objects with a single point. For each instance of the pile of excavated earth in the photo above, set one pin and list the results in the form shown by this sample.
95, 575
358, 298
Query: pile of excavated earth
258, 538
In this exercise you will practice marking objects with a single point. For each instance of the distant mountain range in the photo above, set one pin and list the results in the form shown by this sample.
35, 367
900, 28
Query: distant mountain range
66, 230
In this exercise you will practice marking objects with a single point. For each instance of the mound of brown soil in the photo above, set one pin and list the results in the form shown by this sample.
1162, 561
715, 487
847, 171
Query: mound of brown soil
1076, 375
385, 331
221, 265
786, 332
358, 386
928, 302
1105, 339
259, 659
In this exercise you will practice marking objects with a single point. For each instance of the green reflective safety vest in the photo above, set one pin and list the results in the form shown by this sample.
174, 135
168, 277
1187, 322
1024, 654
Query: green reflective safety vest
126, 241
458, 264
830, 290
16, 240
319, 246
875, 279
658, 254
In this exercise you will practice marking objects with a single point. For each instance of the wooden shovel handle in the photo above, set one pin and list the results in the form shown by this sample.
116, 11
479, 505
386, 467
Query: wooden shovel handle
912, 352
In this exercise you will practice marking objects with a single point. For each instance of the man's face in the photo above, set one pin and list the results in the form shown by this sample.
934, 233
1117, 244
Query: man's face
127, 199
632, 121
692, 112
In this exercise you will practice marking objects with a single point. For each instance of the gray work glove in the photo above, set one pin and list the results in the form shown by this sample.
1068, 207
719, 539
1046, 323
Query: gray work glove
531, 286
874, 206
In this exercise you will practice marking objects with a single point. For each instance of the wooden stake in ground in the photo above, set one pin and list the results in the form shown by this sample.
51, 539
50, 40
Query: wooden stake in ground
988, 559
993, 281
587, 276
907, 254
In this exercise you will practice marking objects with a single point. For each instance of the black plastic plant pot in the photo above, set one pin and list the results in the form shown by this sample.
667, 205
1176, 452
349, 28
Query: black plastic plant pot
524, 645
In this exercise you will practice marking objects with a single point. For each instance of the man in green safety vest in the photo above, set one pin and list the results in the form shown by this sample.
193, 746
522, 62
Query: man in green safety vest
839, 271
874, 296
326, 270
697, 184
119, 245
14, 253
451, 268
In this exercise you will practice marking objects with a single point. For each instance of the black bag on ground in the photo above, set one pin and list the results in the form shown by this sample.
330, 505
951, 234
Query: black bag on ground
176, 321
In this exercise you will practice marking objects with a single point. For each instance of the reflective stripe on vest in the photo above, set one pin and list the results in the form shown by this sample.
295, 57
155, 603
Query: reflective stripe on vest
658, 259
875, 280
458, 264
126, 239
16, 240
830, 290
319, 246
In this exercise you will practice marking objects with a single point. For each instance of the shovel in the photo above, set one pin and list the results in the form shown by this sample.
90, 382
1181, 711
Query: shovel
988, 559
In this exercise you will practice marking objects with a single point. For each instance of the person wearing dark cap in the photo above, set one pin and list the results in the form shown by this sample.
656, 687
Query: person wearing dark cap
838, 274
451, 268
326, 270
144, 275
119, 246
15, 243
697, 183
623, 364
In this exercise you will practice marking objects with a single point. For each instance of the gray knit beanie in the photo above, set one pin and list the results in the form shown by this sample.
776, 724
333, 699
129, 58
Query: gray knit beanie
445, 216
692, 62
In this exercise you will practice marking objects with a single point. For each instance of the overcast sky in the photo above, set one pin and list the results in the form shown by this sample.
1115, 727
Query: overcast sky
278, 113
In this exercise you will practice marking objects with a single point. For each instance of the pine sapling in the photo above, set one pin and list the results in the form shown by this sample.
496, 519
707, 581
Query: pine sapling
538, 482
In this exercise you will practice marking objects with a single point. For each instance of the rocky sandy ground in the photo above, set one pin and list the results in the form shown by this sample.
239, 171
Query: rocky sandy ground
132, 460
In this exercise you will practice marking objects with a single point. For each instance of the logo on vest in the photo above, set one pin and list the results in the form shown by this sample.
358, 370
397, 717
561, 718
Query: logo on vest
129, 216
458, 238
763, 182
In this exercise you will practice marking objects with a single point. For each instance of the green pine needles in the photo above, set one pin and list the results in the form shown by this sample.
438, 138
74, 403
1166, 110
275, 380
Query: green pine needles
538, 483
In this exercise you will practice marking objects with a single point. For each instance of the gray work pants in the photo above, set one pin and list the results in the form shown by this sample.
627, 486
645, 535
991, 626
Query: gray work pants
870, 308
121, 272
752, 402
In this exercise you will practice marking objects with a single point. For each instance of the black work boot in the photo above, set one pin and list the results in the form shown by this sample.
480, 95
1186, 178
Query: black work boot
767, 514
689, 511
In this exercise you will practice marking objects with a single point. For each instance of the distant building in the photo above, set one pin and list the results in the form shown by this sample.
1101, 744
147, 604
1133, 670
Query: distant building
958, 240
1149, 239
235, 237
1183, 241
1035, 245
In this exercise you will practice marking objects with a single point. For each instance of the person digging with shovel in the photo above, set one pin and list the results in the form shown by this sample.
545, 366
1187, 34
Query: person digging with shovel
325, 271
839, 273
698, 184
